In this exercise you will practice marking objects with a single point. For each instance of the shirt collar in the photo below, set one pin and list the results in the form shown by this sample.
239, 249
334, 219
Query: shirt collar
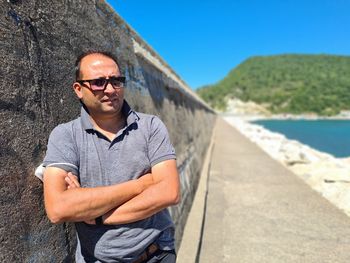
130, 116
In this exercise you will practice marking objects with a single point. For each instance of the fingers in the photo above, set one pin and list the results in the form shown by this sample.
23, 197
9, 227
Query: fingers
69, 182
74, 178
72, 181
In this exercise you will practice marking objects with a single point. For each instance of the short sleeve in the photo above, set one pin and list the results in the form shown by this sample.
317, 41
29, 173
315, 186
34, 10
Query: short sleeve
159, 145
61, 150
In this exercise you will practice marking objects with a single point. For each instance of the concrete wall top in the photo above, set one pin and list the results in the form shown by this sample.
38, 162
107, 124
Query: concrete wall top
143, 48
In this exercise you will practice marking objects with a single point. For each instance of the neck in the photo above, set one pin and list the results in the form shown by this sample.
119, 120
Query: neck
108, 125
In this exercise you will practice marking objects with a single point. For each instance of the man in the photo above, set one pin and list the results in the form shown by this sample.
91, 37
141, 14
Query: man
125, 171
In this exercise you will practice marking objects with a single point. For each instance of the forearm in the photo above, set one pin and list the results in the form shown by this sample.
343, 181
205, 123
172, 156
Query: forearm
150, 201
81, 204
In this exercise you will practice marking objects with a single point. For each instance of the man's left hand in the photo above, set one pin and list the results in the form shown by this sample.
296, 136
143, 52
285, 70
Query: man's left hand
72, 181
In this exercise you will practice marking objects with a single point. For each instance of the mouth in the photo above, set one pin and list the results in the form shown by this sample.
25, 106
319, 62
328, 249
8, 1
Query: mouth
109, 100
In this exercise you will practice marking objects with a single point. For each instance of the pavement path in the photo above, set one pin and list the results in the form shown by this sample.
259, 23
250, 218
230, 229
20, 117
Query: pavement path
256, 210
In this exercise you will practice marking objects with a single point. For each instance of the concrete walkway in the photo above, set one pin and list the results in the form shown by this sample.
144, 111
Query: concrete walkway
256, 210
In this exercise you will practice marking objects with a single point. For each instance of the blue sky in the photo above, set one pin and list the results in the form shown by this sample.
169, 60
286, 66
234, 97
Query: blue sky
202, 40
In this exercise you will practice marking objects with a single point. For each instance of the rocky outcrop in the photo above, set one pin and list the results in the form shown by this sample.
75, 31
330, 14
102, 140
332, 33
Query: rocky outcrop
39, 43
237, 107
326, 174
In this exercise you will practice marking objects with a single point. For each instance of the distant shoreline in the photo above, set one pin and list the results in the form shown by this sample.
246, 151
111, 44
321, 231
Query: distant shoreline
255, 117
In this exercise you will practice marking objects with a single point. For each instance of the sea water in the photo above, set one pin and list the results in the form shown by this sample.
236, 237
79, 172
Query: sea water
331, 136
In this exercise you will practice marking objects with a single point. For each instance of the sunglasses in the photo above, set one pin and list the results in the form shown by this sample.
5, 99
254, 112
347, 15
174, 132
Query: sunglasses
101, 83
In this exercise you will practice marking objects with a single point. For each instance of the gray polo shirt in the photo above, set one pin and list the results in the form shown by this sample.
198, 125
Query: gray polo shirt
77, 147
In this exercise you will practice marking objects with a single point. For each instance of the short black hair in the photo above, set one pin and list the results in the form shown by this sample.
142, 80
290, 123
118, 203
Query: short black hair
90, 52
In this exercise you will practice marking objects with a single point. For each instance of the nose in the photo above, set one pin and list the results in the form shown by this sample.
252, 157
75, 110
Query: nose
109, 89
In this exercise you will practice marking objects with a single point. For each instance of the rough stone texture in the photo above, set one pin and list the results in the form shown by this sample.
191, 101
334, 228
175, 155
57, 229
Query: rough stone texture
39, 41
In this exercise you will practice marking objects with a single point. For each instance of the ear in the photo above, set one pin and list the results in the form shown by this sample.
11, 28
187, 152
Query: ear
78, 89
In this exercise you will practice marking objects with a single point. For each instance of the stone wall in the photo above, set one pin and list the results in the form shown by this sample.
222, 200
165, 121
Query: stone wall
39, 41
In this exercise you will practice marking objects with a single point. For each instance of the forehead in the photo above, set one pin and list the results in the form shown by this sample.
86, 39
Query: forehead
98, 64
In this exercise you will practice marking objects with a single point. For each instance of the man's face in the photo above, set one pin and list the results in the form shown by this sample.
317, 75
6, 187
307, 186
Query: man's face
100, 103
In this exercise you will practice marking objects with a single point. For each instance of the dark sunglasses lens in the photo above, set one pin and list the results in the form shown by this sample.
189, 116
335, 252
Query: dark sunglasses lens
98, 84
117, 81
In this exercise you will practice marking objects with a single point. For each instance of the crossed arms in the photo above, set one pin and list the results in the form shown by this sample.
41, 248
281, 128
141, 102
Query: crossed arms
117, 204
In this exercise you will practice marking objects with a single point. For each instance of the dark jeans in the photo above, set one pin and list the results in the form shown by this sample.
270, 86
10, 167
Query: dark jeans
163, 256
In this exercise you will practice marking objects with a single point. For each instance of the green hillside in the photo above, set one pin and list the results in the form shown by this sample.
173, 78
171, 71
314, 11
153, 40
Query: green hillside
287, 84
